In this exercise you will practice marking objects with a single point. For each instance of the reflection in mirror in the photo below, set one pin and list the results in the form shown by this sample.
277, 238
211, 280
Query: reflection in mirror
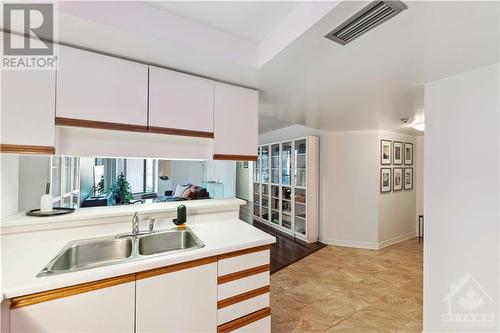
79, 182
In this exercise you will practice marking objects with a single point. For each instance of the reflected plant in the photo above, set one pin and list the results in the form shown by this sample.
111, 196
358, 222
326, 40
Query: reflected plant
121, 190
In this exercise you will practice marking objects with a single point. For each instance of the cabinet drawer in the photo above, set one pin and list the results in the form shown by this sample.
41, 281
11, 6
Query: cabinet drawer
259, 326
242, 309
243, 262
243, 285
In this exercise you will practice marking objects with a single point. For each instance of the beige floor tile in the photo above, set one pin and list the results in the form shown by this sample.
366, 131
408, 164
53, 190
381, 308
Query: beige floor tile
339, 289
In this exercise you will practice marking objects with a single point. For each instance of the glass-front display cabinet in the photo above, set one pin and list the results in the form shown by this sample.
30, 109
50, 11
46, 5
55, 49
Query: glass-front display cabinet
286, 185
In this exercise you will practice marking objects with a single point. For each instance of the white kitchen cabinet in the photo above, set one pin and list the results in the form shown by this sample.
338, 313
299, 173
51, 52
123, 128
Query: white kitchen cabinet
28, 109
179, 301
235, 122
95, 87
107, 310
180, 103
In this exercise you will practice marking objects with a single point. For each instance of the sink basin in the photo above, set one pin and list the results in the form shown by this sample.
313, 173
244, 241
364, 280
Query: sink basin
89, 253
173, 240
96, 252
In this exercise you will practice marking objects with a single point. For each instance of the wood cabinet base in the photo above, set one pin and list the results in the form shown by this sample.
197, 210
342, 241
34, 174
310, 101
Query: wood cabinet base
228, 157
244, 321
27, 149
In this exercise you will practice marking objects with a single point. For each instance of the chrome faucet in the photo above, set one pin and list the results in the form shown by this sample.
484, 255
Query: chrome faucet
135, 224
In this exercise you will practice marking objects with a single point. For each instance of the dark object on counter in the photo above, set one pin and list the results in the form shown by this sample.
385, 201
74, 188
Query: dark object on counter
55, 211
181, 215
97, 200
194, 193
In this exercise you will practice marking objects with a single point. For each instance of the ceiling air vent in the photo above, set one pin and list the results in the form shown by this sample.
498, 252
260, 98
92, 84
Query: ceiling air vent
367, 18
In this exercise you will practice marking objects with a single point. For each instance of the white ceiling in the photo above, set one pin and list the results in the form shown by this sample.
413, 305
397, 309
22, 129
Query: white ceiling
377, 79
252, 20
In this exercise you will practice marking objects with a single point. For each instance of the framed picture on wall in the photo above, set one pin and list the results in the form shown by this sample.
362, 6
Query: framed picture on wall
397, 153
385, 180
397, 179
385, 152
408, 153
408, 179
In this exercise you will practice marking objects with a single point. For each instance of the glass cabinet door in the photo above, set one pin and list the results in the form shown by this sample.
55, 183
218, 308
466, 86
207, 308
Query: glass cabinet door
300, 163
256, 169
275, 163
264, 161
286, 163
286, 207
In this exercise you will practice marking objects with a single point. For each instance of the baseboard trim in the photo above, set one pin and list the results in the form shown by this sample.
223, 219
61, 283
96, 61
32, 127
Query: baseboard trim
397, 239
359, 245
368, 245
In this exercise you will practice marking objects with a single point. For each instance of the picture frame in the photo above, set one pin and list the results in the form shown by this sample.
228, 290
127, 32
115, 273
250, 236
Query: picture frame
408, 155
397, 153
397, 179
385, 180
385, 152
408, 179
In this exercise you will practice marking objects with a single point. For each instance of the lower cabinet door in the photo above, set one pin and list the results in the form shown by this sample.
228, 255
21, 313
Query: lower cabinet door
178, 301
109, 309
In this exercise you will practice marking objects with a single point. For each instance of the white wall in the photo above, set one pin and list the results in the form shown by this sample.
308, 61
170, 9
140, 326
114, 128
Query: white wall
351, 197
9, 169
396, 211
461, 197
34, 174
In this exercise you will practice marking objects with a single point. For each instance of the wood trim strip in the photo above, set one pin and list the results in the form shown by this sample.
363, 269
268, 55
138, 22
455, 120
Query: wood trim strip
27, 149
242, 297
244, 321
175, 267
241, 274
245, 251
49, 295
99, 125
181, 132
229, 157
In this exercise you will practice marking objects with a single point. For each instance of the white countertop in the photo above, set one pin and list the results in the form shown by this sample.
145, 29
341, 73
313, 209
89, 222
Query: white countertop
25, 254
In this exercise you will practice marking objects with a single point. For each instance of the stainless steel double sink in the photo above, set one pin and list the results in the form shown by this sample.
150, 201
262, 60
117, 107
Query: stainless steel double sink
97, 252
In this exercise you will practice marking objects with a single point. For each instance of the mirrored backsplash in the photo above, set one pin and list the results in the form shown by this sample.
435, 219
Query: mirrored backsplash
79, 182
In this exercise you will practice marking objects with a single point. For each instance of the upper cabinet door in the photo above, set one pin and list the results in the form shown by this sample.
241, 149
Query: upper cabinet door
28, 108
180, 104
236, 122
99, 88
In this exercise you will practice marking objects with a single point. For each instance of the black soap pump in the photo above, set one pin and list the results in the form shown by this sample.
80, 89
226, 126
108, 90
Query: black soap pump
181, 216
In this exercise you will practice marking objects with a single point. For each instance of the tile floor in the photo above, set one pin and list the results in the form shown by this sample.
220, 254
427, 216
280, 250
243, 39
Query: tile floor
340, 289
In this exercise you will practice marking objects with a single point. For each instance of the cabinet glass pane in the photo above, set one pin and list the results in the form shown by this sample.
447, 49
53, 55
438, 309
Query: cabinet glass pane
286, 163
300, 163
275, 204
265, 209
265, 190
256, 188
256, 208
300, 195
264, 161
286, 207
286, 221
275, 163
275, 191
300, 226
